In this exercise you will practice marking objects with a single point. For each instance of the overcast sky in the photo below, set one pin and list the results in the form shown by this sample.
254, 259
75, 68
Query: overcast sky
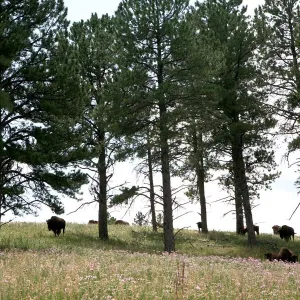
82, 9
275, 207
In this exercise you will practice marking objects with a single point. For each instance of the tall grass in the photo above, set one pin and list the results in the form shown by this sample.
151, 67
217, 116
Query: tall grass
36, 265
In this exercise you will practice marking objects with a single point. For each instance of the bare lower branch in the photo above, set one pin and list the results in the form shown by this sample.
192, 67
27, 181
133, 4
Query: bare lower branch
182, 215
81, 206
294, 211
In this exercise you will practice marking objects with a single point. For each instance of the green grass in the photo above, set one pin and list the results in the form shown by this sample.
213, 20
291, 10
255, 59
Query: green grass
131, 265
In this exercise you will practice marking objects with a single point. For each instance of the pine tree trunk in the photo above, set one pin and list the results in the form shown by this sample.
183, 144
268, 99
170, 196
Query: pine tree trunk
198, 157
169, 242
152, 196
239, 212
201, 190
241, 185
102, 196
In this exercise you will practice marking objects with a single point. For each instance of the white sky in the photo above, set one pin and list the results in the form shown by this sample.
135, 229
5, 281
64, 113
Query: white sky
275, 207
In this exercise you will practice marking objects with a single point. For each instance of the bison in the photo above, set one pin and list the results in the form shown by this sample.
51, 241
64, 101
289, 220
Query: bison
275, 229
199, 225
284, 254
56, 224
286, 232
92, 222
271, 256
255, 227
121, 222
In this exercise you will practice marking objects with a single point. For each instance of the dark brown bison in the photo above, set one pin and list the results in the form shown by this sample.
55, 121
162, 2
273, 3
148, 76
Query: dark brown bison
271, 256
56, 224
92, 222
284, 254
199, 225
121, 222
255, 227
275, 229
286, 232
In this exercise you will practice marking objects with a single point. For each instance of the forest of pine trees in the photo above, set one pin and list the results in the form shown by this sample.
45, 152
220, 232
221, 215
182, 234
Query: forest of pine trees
198, 92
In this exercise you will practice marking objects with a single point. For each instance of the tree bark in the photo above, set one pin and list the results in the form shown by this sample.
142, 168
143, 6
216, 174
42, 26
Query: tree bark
239, 212
169, 243
152, 195
102, 195
241, 186
199, 164
201, 189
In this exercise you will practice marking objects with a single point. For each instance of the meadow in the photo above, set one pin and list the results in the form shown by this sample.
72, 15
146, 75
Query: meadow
131, 265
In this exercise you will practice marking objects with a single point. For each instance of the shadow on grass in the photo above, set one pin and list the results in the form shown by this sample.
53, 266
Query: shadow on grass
28, 236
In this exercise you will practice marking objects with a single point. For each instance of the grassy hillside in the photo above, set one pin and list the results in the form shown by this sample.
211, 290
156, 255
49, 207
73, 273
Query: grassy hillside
36, 265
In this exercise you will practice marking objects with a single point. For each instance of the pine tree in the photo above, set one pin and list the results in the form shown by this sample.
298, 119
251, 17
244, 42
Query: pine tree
93, 42
38, 109
147, 31
277, 25
242, 121
200, 63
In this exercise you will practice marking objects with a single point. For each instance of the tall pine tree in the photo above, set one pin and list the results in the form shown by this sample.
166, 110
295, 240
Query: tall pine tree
243, 123
147, 31
93, 43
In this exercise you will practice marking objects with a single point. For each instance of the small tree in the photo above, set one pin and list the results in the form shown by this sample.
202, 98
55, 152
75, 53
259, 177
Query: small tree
159, 220
141, 219
110, 219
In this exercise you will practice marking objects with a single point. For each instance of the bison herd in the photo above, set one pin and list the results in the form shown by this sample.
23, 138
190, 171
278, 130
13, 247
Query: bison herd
285, 232
118, 222
57, 224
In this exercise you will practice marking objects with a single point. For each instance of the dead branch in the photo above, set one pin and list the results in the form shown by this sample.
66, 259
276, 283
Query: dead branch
81, 206
180, 230
1, 224
182, 215
294, 211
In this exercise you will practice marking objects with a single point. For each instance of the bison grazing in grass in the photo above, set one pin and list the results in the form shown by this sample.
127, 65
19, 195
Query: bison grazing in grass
271, 256
284, 254
92, 222
56, 224
255, 227
275, 229
286, 232
121, 222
